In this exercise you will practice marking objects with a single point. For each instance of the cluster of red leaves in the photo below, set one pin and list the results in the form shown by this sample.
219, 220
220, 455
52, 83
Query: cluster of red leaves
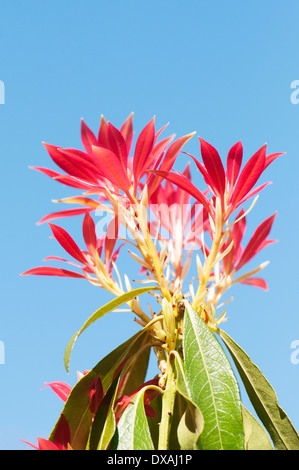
232, 187
105, 167
96, 249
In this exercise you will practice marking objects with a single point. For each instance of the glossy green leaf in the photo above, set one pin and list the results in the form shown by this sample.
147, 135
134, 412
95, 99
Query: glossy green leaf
136, 373
212, 386
113, 304
256, 437
133, 428
76, 409
263, 398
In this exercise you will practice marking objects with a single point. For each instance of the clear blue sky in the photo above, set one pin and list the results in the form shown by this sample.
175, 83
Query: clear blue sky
223, 69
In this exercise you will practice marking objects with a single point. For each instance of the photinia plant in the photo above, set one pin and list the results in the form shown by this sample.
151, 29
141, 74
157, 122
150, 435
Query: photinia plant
188, 247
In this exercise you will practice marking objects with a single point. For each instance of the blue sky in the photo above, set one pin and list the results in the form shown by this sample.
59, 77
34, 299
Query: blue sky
223, 69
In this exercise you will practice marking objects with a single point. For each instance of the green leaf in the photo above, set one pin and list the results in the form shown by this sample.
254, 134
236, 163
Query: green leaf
263, 398
190, 427
256, 437
181, 382
76, 409
133, 427
113, 304
136, 373
212, 386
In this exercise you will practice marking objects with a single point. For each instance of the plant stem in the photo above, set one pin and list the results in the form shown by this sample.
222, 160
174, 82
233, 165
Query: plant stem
168, 400
208, 266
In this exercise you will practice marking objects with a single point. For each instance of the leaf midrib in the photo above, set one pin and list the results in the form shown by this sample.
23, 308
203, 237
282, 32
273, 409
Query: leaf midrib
208, 377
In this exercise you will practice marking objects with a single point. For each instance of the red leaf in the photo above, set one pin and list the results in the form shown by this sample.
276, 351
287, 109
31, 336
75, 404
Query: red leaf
169, 159
75, 182
96, 394
89, 234
270, 158
143, 149
205, 174
103, 134
61, 389
68, 243
234, 162
114, 257
256, 242
58, 258
160, 132
49, 271
249, 175
150, 412
82, 160
238, 229
127, 132
255, 281
267, 243
111, 168
65, 213
181, 196
154, 159
65, 179
46, 171
117, 144
100, 244
173, 152
87, 136
62, 434
251, 193
160, 147
110, 239
72, 162
44, 444
214, 167
237, 234
184, 183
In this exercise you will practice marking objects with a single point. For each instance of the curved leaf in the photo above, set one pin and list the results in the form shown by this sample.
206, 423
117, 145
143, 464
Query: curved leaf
249, 175
190, 427
263, 398
100, 313
256, 437
136, 373
212, 386
213, 166
133, 428
181, 383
